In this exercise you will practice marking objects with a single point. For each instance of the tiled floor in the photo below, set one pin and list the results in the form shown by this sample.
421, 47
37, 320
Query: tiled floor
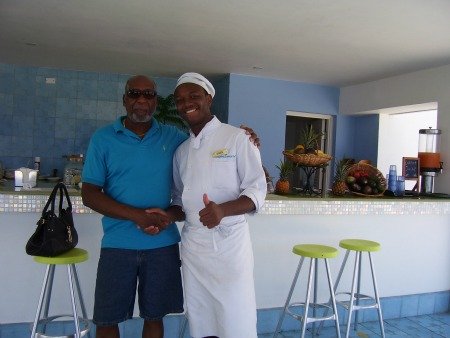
426, 326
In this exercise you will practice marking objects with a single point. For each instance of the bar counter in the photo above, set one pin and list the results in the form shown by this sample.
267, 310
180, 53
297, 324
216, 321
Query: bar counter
412, 266
33, 200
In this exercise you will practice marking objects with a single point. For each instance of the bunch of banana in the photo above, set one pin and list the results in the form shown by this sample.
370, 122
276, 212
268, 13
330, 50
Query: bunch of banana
300, 149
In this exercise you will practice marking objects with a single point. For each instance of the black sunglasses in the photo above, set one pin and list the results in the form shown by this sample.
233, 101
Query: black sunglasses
146, 93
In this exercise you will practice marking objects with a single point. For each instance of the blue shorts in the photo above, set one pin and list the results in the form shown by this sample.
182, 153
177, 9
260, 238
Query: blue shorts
156, 272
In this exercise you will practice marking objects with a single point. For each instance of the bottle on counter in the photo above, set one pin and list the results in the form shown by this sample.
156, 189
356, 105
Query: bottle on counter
37, 164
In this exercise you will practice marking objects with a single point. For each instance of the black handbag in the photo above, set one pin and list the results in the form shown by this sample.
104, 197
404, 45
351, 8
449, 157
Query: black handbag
55, 234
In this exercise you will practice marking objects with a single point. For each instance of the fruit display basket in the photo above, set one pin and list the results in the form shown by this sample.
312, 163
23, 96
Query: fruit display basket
366, 170
307, 160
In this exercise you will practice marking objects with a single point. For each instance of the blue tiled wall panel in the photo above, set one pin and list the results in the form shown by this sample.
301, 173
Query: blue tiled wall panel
55, 119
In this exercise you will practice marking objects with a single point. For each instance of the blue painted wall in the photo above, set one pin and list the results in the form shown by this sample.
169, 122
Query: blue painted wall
262, 104
52, 120
220, 103
366, 137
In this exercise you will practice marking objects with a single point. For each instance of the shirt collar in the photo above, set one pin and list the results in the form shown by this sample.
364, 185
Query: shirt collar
207, 130
118, 126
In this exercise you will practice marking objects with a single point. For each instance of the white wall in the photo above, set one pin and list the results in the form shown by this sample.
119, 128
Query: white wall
420, 87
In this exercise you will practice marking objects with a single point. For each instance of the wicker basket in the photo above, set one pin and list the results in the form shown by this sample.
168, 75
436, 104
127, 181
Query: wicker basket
370, 171
307, 160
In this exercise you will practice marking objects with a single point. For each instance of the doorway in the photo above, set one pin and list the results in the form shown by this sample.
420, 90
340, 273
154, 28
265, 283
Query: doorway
296, 122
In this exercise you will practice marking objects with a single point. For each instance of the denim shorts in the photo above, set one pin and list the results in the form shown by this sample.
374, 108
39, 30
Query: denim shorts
154, 272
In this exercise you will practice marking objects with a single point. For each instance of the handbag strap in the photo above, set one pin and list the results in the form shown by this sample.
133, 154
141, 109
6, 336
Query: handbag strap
63, 191
51, 200
61, 187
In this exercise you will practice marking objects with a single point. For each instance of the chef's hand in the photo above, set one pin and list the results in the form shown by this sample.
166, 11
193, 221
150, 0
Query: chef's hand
159, 221
253, 137
211, 214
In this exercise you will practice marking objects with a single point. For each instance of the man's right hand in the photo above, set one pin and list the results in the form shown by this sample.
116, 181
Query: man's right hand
152, 220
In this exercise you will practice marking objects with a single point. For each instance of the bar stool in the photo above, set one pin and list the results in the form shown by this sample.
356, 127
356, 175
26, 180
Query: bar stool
69, 259
353, 305
314, 252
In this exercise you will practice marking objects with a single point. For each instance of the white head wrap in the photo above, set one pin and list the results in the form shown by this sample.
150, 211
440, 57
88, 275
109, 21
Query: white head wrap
197, 79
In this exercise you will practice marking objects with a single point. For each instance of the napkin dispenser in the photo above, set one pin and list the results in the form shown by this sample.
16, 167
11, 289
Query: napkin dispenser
25, 177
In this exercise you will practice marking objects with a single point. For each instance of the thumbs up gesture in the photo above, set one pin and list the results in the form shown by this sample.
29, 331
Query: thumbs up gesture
211, 214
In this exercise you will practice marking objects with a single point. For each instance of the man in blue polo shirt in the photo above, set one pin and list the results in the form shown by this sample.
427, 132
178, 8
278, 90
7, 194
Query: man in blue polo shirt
128, 169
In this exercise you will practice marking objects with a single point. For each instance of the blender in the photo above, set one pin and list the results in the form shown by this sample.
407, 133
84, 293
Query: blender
430, 158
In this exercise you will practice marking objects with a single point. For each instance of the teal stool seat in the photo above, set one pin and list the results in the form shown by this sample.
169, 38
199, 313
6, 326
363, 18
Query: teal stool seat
42, 319
314, 252
354, 304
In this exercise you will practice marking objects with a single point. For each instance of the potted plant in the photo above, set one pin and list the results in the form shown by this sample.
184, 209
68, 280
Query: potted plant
166, 112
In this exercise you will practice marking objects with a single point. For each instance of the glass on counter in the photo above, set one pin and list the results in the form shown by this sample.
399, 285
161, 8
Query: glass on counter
73, 170
400, 186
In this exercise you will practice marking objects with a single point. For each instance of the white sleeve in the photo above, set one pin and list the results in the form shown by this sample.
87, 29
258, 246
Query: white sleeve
251, 173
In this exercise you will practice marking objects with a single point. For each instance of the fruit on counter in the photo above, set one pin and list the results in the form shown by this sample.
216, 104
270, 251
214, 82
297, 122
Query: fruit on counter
350, 180
309, 138
339, 186
285, 168
299, 149
364, 183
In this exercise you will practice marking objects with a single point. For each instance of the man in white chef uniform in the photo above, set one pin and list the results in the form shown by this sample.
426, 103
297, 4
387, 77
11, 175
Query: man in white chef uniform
218, 178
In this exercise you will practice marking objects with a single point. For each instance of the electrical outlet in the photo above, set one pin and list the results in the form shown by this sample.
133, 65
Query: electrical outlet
50, 80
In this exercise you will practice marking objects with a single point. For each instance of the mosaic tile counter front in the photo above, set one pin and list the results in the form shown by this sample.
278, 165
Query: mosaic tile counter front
19, 203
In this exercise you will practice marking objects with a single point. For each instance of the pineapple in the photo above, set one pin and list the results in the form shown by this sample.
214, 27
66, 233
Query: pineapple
310, 140
282, 185
339, 186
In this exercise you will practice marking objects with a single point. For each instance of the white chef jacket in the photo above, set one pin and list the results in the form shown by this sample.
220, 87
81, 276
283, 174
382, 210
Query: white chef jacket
218, 263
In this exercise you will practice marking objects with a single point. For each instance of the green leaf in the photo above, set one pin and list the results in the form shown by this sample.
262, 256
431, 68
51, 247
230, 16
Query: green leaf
166, 113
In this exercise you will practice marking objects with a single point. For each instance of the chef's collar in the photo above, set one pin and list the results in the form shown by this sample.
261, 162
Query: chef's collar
207, 129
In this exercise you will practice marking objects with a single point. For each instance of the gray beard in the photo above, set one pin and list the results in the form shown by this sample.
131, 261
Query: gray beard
140, 119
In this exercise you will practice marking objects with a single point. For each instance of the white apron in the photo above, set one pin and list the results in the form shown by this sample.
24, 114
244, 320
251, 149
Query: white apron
218, 280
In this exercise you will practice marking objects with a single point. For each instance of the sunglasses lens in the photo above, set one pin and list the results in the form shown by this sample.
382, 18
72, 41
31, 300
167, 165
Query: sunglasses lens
136, 93
149, 94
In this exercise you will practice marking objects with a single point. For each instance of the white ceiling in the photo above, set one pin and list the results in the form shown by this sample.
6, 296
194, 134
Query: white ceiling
332, 42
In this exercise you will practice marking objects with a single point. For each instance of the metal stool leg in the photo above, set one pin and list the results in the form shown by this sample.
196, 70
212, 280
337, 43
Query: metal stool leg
308, 295
48, 293
352, 296
358, 290
377, 299
333, 299
41, 299
338, 279
74, 305
280, 320
80, 295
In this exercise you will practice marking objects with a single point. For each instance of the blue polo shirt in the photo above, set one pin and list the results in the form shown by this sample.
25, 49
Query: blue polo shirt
136, 172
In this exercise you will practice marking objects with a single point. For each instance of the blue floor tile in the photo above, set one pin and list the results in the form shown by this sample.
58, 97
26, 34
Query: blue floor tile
424, 326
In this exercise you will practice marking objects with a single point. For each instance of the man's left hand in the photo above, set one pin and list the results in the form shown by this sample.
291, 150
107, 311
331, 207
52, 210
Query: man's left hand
211, 214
